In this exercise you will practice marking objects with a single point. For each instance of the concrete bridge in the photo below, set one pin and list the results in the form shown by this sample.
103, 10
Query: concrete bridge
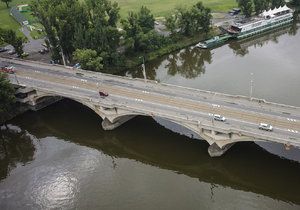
193, 109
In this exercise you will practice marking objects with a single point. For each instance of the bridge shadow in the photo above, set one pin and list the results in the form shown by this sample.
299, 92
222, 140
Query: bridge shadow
245, 167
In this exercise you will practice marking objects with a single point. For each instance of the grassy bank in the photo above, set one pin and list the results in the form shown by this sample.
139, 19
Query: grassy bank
165, 7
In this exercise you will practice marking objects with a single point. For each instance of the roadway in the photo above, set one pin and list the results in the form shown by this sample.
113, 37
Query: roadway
161, 99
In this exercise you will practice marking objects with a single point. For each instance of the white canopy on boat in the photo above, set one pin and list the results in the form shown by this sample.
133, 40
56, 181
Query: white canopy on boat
271, 12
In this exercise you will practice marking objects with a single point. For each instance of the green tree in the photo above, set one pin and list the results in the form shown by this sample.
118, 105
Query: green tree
246, 7
171, 23
139, 31
74, 24
7, 92
9, 36
296, 2
88, 59
260, 5
6, 2
194, 20
145, 19
277, 3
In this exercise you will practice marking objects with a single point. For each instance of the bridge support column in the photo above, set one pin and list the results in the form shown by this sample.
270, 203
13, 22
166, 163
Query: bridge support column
215, 151
107, 125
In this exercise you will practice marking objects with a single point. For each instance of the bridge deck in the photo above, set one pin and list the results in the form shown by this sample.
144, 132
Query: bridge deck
162, 100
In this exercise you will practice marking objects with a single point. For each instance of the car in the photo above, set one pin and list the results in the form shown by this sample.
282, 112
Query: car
77, 66
11, 52
219, 118
265, 126
8, 69
3, 49
44, 50
79, 74
103, 94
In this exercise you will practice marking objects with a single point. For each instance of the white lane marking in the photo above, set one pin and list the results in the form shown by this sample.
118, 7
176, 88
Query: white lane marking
215, 105
144, 91
36, 71
27, 77
83, 80
292, 131
75, 87
140, 100
292, 120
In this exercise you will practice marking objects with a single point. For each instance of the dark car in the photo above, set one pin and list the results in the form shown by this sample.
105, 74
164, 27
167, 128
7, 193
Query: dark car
103, 94
235, 11
3, 49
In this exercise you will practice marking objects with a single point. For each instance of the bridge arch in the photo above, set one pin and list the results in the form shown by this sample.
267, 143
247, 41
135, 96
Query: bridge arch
40, 97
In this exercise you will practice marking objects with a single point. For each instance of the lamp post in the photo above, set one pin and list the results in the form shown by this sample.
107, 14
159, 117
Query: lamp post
251, 86
144, 69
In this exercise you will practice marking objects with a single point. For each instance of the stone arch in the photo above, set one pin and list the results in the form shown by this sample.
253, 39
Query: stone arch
89, 105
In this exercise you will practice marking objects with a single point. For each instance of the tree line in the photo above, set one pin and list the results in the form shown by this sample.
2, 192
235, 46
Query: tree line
92, 33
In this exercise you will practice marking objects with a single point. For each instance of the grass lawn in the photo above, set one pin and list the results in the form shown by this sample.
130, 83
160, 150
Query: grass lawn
8, 22
165, 7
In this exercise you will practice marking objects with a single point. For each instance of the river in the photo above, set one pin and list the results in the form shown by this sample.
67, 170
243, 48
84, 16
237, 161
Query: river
60, 157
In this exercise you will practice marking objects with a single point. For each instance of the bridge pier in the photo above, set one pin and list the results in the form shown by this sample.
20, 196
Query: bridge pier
108, 125
215, 151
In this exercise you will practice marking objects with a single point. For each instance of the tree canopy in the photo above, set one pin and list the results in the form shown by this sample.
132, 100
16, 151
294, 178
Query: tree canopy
10, 37
7, 2
6, 94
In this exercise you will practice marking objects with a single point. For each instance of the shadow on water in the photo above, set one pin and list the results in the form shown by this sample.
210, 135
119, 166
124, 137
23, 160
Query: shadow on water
189, 63
16, 147
245, 167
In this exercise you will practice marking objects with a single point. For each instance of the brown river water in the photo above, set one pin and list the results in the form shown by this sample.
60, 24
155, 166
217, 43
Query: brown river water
60, 158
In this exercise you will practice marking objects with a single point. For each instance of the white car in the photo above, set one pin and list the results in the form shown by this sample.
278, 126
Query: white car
265, 126
219, 118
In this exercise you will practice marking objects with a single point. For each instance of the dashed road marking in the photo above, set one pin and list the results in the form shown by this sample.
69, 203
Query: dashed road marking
292, 120
292, 131
140, 100
216, 105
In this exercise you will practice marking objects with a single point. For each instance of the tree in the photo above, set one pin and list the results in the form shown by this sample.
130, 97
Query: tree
171, 23
277, 3
296, 2
7, 92
88, 59
194, 20
246, 7
145, 19
139, 31
9, 36
260, 5
6, 2
74, 24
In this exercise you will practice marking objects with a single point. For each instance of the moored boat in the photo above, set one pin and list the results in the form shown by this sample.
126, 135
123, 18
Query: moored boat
265, 21
213, 42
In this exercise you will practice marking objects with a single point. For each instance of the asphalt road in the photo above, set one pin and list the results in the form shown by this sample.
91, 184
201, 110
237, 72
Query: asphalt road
178, 103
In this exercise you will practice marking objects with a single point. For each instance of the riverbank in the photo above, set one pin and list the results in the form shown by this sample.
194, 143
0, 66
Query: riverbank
16, 109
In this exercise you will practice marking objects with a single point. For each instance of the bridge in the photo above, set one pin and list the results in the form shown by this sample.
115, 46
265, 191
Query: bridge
190, 108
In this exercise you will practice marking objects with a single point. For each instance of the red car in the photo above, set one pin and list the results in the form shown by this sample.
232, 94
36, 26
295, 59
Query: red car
103, 94
8, 69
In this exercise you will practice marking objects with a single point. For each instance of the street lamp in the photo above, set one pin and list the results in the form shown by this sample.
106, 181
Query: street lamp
251, 86
144, 69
